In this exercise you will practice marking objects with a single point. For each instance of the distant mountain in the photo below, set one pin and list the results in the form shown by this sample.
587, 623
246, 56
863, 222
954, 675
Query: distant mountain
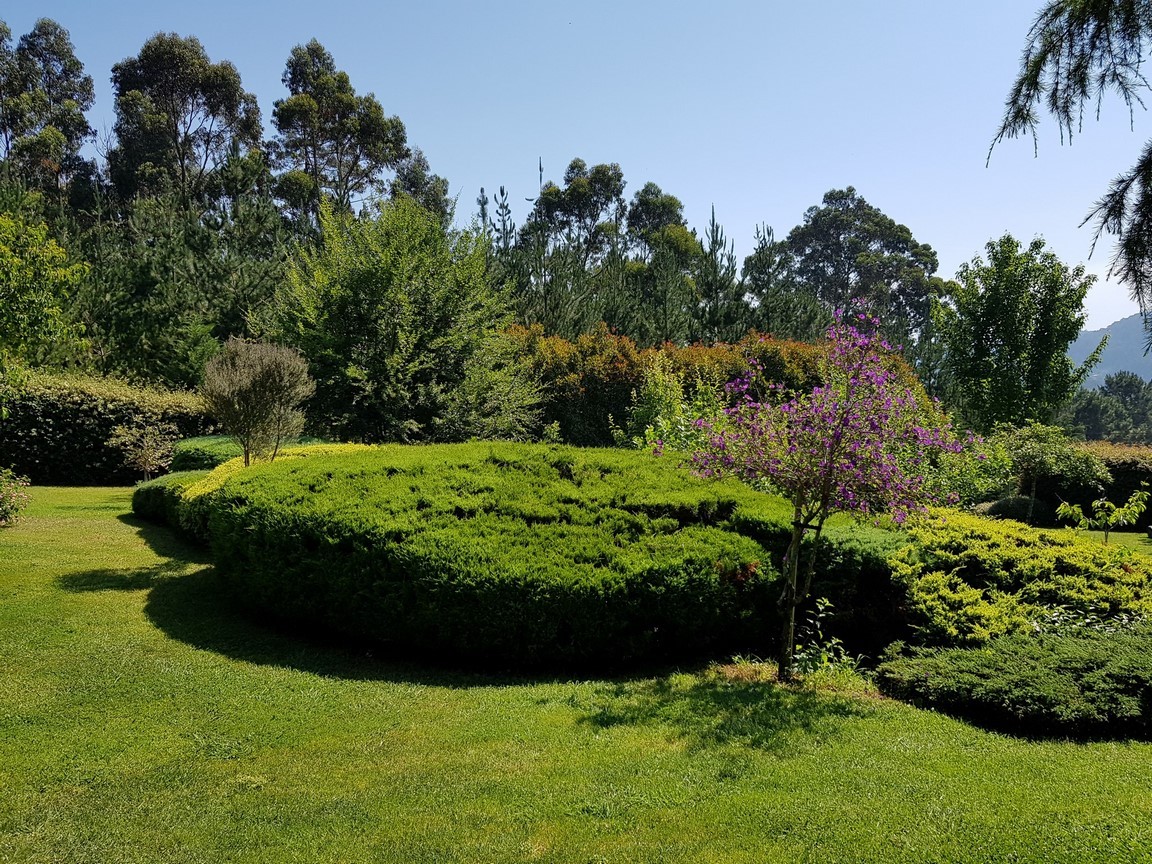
1125, 351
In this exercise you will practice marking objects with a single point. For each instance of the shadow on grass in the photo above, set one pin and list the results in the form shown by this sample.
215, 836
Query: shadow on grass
708, 709
123, 580
165, 542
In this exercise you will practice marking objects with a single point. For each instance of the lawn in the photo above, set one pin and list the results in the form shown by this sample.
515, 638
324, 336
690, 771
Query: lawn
143, 721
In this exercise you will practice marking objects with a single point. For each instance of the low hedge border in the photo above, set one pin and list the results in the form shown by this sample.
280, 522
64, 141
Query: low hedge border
1080, 685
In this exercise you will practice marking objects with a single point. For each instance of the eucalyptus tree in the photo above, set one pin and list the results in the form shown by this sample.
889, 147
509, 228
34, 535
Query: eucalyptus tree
330, 141
178, 117
44, 93
846, 249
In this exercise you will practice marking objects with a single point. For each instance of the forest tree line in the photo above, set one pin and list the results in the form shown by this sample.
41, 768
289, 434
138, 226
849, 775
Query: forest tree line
192, 227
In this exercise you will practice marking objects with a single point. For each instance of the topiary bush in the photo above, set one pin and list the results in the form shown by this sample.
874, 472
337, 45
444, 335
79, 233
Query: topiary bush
1081, 684
161, 500
58, 427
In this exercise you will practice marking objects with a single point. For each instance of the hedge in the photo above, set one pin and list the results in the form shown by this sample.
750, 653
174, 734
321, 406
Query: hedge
208, 451
514, 555
1086, 684
57, 426
588, 382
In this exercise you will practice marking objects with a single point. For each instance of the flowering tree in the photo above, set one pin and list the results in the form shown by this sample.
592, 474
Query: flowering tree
856, 444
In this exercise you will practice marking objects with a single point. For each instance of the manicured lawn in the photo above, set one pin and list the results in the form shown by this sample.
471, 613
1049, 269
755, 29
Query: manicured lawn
142, 721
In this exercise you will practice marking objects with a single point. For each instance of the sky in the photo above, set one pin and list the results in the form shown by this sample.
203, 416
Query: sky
753, 107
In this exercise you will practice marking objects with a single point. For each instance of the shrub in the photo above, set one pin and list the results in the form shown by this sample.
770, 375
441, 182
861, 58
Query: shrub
13, 498
57, 427
161, 500
147, 448
204, 452
255, 391
970, 579
1020, 508
1081, 684
1130, 467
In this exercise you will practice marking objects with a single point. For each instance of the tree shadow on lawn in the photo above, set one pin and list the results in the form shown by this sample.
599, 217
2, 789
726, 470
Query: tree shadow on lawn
709, 709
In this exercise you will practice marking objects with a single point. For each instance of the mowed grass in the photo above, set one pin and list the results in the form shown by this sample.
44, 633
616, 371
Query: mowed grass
143, 721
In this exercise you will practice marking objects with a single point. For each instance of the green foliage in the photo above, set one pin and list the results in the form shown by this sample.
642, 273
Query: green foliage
848, 250
147, 448
255, 390
1079, 684
329, 140
662, 414
178, 117
43, 96
13, 498
1007, 330
58, 427
36, 281
390, 311
971, 579
1105, 515
1075, 53
1021, 508
1047, 463
495, 554
161, 500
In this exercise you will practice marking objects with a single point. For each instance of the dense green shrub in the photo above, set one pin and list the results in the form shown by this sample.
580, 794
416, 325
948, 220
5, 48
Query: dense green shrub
58, 427
161, 500
1020, 508
204, 452
514, 554
1130, 467
588, 383
969, 579
13, 498
1078, 684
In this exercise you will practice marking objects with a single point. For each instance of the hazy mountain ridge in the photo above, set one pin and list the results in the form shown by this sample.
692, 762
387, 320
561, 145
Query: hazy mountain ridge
1124, 352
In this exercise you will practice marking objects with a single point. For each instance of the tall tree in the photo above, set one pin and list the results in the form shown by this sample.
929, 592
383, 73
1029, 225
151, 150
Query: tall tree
1076, 52
178, 117
44, 93
1007, 330
415, 179
846, 250
329, 140
391, 310
722, 315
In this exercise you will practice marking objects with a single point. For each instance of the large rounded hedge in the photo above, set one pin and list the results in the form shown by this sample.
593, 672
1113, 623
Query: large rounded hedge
509, 554
522, 555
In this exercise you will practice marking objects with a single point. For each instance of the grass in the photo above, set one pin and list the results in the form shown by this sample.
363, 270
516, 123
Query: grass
1138, 540
142, 721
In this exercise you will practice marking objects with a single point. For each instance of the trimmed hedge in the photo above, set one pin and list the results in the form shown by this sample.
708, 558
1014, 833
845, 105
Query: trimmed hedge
204, 453
517, 555
207, 451
970, 579
1080, 685
57, 427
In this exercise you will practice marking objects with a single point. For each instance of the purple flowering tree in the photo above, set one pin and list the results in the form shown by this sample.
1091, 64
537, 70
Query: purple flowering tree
856, 444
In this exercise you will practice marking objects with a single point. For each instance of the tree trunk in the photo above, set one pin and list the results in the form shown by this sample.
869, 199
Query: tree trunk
788, 599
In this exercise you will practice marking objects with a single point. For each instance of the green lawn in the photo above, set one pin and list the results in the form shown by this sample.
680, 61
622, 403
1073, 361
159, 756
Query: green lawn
142, 721
1137, 540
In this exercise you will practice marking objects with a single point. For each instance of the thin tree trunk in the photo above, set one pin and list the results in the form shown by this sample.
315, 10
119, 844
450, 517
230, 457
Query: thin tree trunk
788, 603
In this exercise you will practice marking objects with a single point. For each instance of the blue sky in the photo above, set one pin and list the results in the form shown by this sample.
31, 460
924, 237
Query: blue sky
756, 108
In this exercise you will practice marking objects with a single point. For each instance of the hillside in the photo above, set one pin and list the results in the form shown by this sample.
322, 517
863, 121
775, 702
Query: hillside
1125, 350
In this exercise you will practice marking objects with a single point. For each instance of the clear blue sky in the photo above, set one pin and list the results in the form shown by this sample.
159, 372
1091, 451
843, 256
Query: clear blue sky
755, 107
